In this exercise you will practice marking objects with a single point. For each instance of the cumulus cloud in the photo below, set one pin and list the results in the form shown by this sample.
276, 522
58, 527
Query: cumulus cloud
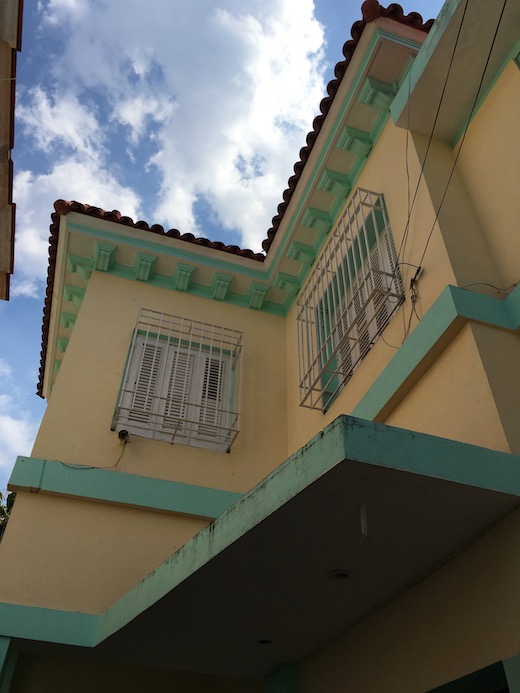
5, 369
17, 428
53, 121
35, 193
221, 95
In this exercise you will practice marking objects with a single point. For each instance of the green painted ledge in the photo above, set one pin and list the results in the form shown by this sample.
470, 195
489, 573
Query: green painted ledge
7, 664
48, 625
346, 438
423, 57
446, 317
146, 493
512, 670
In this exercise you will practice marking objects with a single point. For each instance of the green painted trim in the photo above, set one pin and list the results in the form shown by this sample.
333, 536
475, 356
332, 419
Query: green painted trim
256, 295
68, 320
284, 679
400, 40
73, 294
227, 266
487, 680
5, 643
131, 490
104, 255
165, 282
449, 313
346, 438
221, 265
81, 265
423, 57
170, 251
181, 278
143, 269
512, 670
48, 625
322, 453
417, 453
513, 55
8, 674
7, 664
219, 286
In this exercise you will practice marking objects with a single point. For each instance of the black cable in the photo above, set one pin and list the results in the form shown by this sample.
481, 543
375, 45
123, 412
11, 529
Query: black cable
407, 227
465, 132
82, 467
497, 288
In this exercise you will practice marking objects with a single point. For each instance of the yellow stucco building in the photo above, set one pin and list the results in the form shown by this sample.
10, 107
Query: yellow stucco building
298, 471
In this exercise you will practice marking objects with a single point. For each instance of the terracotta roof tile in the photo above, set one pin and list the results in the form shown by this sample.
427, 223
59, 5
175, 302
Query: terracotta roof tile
371, 10
63, 207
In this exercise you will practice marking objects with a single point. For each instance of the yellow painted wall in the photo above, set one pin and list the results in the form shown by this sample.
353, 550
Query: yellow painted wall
453, 399
499, 351
86, 555
461, 618
460, 251
386, 172
78, 555
37, 673
76, 425
492, 172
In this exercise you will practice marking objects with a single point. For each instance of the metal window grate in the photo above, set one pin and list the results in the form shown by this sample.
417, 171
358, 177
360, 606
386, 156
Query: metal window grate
348, 299
181, 382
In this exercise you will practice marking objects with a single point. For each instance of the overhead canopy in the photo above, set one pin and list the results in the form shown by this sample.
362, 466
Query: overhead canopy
456, 65
358, 515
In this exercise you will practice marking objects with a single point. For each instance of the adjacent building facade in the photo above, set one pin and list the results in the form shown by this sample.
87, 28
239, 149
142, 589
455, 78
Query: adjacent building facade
296, 471
10, 43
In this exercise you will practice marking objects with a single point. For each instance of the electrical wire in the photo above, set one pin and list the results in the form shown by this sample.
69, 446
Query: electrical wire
83, 467
392, 346
492, 286
423, 164
465, 132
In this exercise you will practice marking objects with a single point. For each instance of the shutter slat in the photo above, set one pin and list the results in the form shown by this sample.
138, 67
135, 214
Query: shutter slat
144, 395
177, 395
211, 397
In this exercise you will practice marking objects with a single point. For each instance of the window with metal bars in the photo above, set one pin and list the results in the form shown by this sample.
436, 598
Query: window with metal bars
181, 382
348, 299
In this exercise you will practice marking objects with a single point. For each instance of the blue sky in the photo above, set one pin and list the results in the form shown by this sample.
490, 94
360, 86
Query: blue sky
187, 114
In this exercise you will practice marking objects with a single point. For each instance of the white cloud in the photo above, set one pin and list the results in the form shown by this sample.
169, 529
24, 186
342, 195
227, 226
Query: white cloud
221, 93
35, 195
17, 432
5, 369
135, 110
57, 11
52, 120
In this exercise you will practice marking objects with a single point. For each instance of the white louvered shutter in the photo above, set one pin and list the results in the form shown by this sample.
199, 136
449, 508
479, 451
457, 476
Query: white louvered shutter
143, 402
177, 395
181, 382
211, 396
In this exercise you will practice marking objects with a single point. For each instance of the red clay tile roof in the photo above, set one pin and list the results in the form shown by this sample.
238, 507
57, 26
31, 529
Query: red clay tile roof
370, 10
63, 207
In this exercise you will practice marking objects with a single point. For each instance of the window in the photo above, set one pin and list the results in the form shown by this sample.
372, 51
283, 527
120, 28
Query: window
348, 299
181, 382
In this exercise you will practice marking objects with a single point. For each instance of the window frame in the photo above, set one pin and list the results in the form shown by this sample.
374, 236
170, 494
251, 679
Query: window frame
198, 362
348, 299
